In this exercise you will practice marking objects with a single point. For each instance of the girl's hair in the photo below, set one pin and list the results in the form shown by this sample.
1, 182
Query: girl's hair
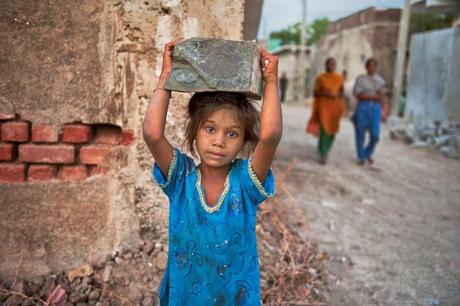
203, 104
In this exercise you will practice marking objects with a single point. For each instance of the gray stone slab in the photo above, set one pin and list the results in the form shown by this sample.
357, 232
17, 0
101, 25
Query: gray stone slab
201, 64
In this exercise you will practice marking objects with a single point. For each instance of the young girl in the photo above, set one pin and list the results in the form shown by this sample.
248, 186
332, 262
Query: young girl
212, 239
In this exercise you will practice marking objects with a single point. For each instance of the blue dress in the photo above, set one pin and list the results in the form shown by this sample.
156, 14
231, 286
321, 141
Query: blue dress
212, 256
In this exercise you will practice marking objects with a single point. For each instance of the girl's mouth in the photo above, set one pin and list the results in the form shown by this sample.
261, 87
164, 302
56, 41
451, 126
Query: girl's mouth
216, 155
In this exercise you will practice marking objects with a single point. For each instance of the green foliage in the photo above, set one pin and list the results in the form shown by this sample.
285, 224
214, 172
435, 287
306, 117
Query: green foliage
292, 34
428, 22
317, 30
288, 36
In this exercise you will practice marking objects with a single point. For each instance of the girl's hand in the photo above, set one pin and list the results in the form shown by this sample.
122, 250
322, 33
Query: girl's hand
269, 66
166, 68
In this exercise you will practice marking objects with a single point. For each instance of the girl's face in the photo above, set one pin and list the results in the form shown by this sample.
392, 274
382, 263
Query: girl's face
220, 138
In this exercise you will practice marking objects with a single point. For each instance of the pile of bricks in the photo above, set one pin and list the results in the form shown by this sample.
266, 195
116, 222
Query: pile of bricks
31, 152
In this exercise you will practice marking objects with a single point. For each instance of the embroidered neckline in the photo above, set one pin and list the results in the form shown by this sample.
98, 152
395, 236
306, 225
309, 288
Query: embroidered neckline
206, 207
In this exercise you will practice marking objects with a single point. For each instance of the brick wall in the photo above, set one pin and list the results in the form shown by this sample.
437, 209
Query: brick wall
31, 152
365, 16
94, 62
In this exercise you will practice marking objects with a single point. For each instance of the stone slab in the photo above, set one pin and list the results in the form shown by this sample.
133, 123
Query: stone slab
201, 64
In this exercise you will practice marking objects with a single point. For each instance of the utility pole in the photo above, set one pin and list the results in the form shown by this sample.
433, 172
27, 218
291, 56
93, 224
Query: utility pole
400, 57
303, 43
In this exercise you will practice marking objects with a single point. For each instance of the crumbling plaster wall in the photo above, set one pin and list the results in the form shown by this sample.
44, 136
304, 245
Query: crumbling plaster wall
90, 63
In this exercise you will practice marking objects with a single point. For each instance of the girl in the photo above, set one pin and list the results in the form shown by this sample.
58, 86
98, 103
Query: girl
212, 240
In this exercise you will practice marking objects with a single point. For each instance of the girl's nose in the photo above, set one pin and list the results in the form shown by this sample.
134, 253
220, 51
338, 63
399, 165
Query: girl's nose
219, 140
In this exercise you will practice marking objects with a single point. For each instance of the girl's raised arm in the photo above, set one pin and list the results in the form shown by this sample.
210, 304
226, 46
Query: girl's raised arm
155, 116
271, 121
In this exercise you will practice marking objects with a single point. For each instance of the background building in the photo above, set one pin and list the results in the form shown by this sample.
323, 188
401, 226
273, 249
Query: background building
353, 39
290, 58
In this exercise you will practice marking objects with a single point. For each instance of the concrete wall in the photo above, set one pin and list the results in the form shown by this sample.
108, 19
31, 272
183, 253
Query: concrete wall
353, 39
288, 61
90, 65
434, 80
252, 14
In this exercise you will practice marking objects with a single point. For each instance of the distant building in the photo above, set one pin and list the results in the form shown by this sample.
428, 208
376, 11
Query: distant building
290, 58
353, 39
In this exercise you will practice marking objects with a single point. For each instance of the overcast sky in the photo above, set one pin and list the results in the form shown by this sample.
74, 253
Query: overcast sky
279, 14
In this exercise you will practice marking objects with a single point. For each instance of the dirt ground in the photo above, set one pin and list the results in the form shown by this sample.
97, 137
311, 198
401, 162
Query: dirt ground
392, 230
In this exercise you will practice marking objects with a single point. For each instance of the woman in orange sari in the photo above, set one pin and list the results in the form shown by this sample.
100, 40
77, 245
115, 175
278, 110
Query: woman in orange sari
328, 106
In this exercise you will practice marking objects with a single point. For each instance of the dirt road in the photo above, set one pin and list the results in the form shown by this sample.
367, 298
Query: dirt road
393, 230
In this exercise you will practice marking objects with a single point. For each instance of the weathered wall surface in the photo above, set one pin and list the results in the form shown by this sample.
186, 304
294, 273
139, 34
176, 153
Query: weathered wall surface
51, 69
434, 79
90, 64
289, 59
353, 39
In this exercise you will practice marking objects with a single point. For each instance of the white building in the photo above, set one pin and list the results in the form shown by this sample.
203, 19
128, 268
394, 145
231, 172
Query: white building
294, 60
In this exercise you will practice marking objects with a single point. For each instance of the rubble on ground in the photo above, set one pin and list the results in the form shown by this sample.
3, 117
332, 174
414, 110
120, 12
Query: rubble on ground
443, 136
291, 264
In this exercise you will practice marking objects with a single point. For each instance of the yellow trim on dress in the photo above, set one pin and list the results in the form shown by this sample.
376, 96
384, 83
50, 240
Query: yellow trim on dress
206, 207
172, 166
257, 182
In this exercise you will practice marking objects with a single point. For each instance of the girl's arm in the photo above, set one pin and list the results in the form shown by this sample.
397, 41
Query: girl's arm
271, 121
155, 116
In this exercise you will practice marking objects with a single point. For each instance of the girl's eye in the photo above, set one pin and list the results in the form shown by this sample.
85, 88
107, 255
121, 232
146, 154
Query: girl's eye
210, 129
232, 134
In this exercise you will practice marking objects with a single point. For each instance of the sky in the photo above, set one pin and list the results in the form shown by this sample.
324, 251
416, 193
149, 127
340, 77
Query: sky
279, 14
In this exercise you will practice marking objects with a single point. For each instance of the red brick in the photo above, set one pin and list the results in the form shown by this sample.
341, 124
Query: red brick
108, 134
17, 131
99, 170
50, 154
94, 155
127, 137
72, 173
41, 172
12, 173
44, 133
76, 133
8, 151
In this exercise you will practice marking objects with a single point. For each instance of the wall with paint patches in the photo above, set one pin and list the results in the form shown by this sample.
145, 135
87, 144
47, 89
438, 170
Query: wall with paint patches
75, 82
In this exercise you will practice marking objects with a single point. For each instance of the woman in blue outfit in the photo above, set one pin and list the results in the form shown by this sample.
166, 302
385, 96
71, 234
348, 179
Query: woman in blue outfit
369, 90
212, 239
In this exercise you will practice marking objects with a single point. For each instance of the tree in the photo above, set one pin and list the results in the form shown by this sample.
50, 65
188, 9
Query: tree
292, 34
289, 35
317, 29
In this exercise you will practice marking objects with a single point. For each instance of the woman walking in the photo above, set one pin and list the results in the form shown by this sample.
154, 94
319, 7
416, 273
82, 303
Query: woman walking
369, 89
328, 107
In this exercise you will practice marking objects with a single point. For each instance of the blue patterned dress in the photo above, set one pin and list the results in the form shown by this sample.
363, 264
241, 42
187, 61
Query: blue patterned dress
212, 249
